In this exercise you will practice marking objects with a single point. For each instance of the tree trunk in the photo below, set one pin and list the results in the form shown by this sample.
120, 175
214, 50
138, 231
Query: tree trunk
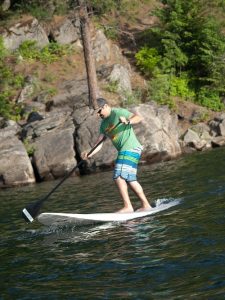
88, 55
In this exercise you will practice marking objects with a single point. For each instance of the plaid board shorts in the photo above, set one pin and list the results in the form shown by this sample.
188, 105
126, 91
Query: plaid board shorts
126, 164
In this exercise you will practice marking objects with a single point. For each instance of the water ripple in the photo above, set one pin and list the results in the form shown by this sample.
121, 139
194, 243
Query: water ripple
176, 254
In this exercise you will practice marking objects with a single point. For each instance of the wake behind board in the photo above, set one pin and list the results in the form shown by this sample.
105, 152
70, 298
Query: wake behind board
55, 219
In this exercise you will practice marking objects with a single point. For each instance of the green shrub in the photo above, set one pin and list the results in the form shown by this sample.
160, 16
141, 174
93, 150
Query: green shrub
163, 87
210, 99
49, 54
6, 74
179, 87
5, 105
29, 50
18, 81
3, 51
159, 90
9, 110
53, 51
9, 79
147, 59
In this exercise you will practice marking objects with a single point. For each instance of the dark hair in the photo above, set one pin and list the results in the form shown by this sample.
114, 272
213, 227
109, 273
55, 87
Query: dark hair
101, 102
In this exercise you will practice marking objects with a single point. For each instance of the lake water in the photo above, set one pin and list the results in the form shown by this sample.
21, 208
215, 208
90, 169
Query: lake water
178, 253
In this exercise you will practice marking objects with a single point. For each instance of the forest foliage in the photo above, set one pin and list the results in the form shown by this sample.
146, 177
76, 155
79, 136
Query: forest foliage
182, 55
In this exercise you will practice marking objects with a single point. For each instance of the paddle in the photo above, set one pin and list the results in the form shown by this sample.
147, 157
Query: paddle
31, 210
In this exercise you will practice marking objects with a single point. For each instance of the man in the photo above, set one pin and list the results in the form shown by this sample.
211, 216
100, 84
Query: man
116, 124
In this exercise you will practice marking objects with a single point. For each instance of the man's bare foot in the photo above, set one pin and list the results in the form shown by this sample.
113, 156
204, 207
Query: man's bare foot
144, 208
126, 210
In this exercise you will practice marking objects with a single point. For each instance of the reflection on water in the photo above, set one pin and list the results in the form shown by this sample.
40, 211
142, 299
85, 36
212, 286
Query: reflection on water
176, 254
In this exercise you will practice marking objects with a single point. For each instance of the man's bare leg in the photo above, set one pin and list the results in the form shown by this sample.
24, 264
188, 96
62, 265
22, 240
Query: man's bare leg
138, 190
123, 190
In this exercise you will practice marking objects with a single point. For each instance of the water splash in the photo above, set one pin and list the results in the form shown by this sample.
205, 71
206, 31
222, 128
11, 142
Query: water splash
168, 202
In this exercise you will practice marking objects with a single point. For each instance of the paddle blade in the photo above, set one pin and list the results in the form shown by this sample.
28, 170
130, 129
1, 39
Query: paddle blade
30, 212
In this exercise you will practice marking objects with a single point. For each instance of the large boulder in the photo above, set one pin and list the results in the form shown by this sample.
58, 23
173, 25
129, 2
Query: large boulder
52, 141
54, 154
198, 137
101, 47
15, 165
28, 29
121, 76
73, 95
10, 129
158, 132
64, 32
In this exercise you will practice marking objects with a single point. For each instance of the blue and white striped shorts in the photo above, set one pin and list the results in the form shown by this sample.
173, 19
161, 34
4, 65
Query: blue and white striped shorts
126, 164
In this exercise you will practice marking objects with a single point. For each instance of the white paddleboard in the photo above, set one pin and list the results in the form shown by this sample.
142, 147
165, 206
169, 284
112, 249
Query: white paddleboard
52, 219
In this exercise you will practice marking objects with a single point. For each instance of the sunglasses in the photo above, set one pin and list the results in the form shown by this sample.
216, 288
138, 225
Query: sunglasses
100, 110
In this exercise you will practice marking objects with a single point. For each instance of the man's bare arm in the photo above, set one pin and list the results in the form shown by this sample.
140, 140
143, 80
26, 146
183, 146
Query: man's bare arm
101, 137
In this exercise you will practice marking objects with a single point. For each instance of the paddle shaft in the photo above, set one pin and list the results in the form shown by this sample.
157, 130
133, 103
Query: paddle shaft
31, 211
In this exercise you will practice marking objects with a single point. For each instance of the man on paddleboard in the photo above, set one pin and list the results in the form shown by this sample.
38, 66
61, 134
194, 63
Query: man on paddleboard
116, 125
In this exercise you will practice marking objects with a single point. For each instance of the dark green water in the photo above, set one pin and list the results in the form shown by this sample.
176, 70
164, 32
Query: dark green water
178, 253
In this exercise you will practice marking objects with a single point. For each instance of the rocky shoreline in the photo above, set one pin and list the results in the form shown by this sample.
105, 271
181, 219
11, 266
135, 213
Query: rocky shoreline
49, 143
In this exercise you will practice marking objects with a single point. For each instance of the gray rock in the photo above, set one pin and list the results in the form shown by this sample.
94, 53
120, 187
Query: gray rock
214, 127
218, 141
25, 93
54, 154
191, 136
157, 132
22, 31
220, 117
15, 165
11, 129
121, 75
75, 95
64, 32
52, 139
101, 47
222, 128
81, 114
53, 121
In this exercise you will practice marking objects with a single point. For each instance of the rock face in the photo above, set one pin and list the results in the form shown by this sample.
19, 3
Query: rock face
121, 76
54, 154
15, 165
64, 32
204, 136
52, 140
22, 31
158, 132
58, 130
101, 47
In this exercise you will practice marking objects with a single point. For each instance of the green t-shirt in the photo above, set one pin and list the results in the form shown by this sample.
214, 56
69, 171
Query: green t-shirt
121, 135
